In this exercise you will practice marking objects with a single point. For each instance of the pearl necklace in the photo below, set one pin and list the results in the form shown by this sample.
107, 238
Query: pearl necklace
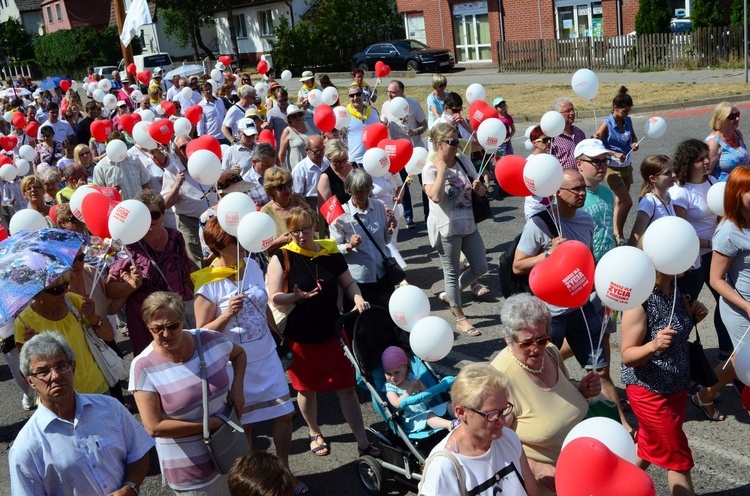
526, 367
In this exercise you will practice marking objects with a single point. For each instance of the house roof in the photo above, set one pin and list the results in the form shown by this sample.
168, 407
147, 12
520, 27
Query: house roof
28, 5
82, 13
249, 3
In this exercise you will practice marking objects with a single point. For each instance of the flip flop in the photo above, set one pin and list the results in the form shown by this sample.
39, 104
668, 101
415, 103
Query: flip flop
479, 290
716, 417
471, 331
320, 447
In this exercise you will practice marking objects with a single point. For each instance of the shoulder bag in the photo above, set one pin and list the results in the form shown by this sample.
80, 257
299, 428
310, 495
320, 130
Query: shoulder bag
480, 205
393, 271
701, 371
228, 442
460, 476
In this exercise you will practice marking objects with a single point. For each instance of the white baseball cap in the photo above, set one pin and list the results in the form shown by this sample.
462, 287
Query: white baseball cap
590, 148
247, 126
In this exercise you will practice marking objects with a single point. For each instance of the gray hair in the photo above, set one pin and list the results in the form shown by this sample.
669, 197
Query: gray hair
357, 180
160, 300
558, 102
264, 150
247, 91
151, 197
336, 149
50, 175
45, 344
521, 311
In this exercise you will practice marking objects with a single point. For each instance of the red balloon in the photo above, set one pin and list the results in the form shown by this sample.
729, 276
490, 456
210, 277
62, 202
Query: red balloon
32, 129
4, 159
132, 69
8, 142
479, 111
587, 467
565, 278
374, 134
128, 121
205, 142
324, 118
262, 67
194, 114
266, 136
228, 76
144, 77
65, 85
111, 193
161, 130
746, 398
509, 175
53, 212
101, 129
381, 69
399, 151
168, 108
4, 232
19, 120
226, 60
96, 209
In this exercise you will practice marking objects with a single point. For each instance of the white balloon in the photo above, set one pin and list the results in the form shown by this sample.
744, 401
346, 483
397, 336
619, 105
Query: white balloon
110, 102
136, 95
624, 278
129, 221
315, 97
376, 162
672, 244
26, 220
343, 117
23, 167
417, 161
261, 89
475, 91
98, 95
117, 150
8, 116
159, 110
8, 172
147, 115
26, 152
76, 200
741, 359
398, 107
93, 86
431, 339
105, 85
655, 127
74, 85
232, 208
528, 145
552, 123
204, 166
527, 133
182, 126
142, 136
85, 86
216, 75
715, 198
256, 231
186, 93
491, 134
607, 431
407, 306
585, 84
286, 76
543, 174
330, 96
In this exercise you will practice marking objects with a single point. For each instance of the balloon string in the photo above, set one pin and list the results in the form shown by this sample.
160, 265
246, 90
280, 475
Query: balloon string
674, 301
468, 142
631, 150
96, 276
736, 348
555, 215
594, 355
485, 163
239, 287
593, 109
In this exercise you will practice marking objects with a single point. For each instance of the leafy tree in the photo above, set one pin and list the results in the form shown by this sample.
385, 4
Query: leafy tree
705, 13
15, 42
183, 20
736, 16
68, 52
652, 17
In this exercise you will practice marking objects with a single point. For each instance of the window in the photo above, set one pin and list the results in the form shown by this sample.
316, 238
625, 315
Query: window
380, 49
240, 28
49, 13
265, 21
58, 11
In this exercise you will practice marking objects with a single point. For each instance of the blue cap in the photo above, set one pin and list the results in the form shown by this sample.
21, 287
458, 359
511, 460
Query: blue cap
497, 101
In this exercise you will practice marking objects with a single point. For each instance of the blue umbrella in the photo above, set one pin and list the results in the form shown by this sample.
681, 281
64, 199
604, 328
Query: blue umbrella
51, 83
30, 261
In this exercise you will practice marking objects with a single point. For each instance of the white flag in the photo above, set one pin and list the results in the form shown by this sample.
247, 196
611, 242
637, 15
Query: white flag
138, 15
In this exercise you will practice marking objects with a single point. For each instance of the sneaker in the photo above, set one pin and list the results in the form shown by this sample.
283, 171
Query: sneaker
28, 402
409, 222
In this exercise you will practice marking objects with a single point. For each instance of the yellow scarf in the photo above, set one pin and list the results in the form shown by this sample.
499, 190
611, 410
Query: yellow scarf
355, 112
361, 85
212, 274
327, 247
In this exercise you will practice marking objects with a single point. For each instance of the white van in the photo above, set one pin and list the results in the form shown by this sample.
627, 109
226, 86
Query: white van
149, 62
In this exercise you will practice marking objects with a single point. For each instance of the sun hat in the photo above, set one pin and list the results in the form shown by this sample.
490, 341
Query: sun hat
307, 75
293, 109
231, 182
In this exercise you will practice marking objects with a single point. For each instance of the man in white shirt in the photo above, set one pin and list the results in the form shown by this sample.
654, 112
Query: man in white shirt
186, 103
174, 87
237, 112
276, 116
307, 173
63, 129
213, 115
264, 157
239, 157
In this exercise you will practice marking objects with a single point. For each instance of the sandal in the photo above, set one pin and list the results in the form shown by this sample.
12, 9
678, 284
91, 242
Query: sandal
479, 290
371, 450
471, 331
716, 417
301, 489
320, 446
444, 298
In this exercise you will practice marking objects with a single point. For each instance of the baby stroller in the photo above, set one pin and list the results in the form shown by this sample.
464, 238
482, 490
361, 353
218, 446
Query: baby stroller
404, 453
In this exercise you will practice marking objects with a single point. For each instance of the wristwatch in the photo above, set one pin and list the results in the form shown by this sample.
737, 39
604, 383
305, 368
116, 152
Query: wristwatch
134, 486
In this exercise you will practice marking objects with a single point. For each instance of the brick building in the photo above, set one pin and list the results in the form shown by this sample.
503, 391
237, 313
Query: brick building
472, 28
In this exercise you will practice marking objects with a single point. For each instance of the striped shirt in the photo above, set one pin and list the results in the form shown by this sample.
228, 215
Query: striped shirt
564, 145
185, 462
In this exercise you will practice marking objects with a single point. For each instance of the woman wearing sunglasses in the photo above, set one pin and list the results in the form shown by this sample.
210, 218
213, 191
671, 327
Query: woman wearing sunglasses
542, 143
726, 146
547, 404
278, 186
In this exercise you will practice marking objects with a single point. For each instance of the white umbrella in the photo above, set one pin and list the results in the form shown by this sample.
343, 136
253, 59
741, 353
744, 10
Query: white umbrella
14, 92
185, 71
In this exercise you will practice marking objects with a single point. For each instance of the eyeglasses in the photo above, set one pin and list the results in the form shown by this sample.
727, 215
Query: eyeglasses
577, 190
57, 290
569, 111
45, 374
456, 110
79, 258
304, 230
453, 142
733, 116
494, 415
284, 186
354, 95
156, 215
84, 153
314, 151
539, 343
171, 327
546, 140
598, 162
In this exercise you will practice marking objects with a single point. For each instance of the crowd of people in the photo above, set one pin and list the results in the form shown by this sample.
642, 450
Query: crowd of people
188, 285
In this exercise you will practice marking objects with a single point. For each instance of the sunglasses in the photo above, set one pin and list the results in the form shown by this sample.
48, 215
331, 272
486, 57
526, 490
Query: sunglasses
354, 95
456, 110
453, 142
156, 215
539, 342
285, 185
171, 327
546, 140
57, 290
733, 116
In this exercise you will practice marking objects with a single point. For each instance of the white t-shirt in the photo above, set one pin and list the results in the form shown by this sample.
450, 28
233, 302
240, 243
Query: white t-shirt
63, 129
453, 216
652, 206
502, 461
692, 197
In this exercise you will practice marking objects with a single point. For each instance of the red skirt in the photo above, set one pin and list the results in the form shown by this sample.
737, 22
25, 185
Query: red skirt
320, 367
661, 439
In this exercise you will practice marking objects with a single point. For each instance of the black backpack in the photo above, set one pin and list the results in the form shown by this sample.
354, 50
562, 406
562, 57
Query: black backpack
511, 283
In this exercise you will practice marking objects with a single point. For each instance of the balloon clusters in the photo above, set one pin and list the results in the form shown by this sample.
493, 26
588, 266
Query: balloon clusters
384, 155
237, 215
430, 338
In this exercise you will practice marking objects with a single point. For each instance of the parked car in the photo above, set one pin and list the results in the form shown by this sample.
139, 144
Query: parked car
411, 55
105, 71
150, 61
680, 25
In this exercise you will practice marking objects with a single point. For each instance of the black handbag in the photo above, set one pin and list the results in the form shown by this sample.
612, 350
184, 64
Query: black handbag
393, 271
480, 205
701, 371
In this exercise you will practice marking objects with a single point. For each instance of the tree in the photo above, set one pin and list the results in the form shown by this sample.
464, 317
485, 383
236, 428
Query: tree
183, 20
69, 51
737, 14
706, 13
15, 42
652, 17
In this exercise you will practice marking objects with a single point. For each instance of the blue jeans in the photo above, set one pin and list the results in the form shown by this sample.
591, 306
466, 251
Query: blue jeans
406, 200
571, 326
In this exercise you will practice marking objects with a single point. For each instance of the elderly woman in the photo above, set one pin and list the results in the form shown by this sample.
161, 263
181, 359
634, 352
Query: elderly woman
33, 192
47, 149
174, 415
726, 146
547, 403
159, 263
656, 372
293, 138
361, 254
331, 181
50, 179
242, 315
449, 183
390, 189
306, 275
83, 156
278, 186
487, 451
54, 309
75, 177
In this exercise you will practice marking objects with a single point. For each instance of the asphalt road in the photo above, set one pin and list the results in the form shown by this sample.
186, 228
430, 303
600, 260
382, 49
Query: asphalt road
720, 449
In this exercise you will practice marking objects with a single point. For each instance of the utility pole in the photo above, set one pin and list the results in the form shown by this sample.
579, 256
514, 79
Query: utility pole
127, 51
